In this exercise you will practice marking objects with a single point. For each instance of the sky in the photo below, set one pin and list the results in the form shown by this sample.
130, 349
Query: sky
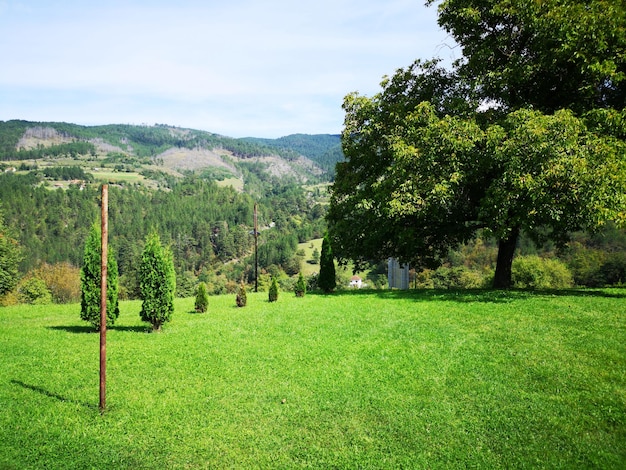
240, 68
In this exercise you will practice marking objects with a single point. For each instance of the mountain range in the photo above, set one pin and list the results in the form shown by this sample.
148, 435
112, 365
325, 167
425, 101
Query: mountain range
157, 152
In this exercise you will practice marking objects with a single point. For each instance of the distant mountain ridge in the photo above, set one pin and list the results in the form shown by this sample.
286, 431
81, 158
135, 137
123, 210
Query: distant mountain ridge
305, 157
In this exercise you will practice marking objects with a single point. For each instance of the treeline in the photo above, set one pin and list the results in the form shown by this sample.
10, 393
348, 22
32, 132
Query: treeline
209, 228
67, 173
70, 149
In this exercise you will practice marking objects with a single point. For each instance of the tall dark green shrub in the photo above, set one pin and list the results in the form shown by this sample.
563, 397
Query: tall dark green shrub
327, 280
157, 283
300, 287
202, 298
273, 292
90, 281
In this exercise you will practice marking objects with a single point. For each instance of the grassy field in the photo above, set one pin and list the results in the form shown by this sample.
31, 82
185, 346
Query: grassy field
308, 268
352, 380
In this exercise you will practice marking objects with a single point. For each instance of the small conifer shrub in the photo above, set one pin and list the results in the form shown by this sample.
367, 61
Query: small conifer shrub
273, 293
202, 298
241, 299
300, 287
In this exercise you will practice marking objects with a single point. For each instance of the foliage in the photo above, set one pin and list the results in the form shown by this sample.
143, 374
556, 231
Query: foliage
327, 280
459, 277
533, 272
594, 267
63, 281
300, 286
241, 298
91, 282
157, 283
10, 256
34, 291
185, 284
551, 54
202, 298
273, 292
67, 173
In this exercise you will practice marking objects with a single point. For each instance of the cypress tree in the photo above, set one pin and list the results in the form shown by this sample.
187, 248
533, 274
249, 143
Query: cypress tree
157, 283
241, 298
300, 288
327, 279
202, 298
90, 281
273, 293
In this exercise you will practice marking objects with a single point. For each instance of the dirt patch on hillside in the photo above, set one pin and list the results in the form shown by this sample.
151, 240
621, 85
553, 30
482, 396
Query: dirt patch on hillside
194, 159
44, 136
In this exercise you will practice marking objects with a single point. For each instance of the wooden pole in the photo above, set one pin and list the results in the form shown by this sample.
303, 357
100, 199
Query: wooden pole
103, 295
256, 250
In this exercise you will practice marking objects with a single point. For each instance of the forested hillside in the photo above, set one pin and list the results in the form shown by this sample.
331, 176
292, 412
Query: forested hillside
197, 189
325, 150
208, 227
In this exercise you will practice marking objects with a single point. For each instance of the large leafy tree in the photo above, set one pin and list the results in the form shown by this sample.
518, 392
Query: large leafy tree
157, 283
437, 154
90, 281
10, 256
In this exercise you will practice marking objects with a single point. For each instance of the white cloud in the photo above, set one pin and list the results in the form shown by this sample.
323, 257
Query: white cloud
244, 67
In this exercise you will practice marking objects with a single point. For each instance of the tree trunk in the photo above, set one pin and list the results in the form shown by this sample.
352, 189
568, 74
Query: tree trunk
506, 250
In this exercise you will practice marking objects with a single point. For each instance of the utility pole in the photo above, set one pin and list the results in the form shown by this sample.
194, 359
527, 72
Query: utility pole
103, 295
256, 250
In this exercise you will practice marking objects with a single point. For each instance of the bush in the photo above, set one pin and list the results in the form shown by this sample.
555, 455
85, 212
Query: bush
586, 266
202, 298
34, 291
300, 287
241, 298
459, 277
613, 271
533, 272
273, 292
63, 280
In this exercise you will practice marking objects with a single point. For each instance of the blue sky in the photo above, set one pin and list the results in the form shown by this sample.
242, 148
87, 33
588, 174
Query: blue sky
262, 68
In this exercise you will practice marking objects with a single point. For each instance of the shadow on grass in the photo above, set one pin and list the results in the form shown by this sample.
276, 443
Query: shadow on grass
89, 329
475, 295
47, 393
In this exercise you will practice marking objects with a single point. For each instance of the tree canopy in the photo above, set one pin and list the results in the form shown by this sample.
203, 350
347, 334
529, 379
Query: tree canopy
439, 154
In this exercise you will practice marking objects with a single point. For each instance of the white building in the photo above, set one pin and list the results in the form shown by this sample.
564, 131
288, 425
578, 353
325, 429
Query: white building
397, 274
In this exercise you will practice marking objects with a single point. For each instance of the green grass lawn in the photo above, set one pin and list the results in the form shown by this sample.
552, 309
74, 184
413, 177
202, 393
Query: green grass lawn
353, 380
305, 267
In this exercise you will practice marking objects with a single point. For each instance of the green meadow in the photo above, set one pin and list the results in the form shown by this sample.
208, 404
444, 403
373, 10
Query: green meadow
368, 379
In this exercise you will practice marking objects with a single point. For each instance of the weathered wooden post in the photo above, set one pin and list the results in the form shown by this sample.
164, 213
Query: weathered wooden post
103, 295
